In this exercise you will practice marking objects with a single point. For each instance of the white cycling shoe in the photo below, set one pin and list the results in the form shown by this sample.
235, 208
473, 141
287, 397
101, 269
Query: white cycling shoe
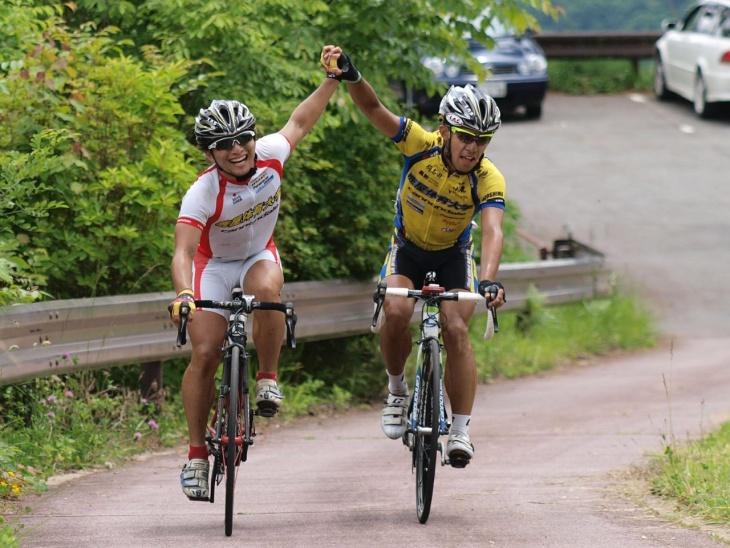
393, 418
194, 479
459, 450
268, 397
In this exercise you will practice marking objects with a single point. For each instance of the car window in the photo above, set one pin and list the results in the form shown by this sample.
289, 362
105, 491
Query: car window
707, 21
690, 21
725, 24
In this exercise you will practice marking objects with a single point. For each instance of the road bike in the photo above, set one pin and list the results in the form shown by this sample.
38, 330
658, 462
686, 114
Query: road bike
427, 417
232, 428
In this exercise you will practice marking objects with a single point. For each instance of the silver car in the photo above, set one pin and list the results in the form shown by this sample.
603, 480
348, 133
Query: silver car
693, 57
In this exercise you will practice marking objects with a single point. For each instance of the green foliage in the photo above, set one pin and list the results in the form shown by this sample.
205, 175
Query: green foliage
96, 133
100, 119
592, 77
539, 337
695, 476
84, 419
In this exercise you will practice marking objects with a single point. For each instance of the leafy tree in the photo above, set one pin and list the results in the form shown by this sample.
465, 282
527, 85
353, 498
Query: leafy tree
120, 83
118, 165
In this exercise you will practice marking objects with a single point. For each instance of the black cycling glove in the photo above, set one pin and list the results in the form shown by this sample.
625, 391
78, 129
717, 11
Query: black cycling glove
487, 286
349, 72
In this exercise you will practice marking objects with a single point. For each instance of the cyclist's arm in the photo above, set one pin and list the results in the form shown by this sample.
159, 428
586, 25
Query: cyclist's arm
365, 98
187, 238
492, 242
308, 112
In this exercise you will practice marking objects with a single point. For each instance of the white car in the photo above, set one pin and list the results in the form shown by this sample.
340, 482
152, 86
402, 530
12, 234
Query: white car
693, 57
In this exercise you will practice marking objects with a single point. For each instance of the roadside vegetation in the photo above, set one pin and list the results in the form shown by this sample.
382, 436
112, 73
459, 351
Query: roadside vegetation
696, 477
592, 77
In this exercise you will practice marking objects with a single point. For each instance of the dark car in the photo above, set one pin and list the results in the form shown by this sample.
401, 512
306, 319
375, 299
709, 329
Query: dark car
518, 74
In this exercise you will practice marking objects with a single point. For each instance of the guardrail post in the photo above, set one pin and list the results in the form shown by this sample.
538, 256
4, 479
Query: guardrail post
150, 383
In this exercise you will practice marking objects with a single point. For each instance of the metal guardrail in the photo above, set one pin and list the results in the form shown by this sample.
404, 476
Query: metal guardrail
54, 337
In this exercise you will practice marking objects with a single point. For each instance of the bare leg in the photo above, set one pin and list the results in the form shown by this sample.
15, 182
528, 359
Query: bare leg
207, 331
264, 280
460, 376
395, 337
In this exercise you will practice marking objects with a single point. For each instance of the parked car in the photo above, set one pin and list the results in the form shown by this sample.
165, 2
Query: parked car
518, 74
693, 57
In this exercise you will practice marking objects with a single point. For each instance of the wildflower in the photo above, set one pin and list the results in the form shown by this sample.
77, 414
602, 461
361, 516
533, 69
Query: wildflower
51, 415
152, 424
15, 489
52, 399
69, 394
143, 400
138, 436
43, 401
3, 484
11, 474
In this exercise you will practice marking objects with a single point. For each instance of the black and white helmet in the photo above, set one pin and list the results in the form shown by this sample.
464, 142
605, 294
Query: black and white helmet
222, 119
470, 108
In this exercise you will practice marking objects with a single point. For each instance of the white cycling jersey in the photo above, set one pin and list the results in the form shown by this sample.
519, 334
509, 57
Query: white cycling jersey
237, 218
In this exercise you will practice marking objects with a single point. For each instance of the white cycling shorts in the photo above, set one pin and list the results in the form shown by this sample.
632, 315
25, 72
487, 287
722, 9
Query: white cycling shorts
215, 279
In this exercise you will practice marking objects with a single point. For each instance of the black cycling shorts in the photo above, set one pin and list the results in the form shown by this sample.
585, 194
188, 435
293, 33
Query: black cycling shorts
454, 267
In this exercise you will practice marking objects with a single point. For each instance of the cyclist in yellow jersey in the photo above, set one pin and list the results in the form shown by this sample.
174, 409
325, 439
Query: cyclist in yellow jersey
446, 182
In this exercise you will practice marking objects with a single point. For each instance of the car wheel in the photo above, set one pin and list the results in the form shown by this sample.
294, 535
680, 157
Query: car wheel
703, 109
660, 82
533, 111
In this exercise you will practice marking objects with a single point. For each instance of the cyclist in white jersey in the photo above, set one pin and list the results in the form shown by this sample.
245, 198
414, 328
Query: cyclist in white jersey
223, 239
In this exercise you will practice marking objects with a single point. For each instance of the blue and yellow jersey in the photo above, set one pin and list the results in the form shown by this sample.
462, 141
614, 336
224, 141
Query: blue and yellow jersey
434, 210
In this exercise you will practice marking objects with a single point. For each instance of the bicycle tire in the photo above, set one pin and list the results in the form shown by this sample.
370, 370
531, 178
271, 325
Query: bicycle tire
233, 431
428, 417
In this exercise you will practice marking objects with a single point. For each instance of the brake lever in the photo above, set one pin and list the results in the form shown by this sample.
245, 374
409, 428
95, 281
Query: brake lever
182, 330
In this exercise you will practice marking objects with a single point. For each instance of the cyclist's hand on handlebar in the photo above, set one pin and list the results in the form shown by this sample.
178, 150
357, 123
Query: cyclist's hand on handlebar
494, 292
337, 65
185, 296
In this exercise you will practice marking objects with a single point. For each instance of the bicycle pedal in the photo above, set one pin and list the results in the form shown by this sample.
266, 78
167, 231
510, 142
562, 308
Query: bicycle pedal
267, 410
458, 461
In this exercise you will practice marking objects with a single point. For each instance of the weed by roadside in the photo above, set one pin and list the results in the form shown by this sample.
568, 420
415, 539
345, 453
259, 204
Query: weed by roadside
592, 77
540, 337
696, 476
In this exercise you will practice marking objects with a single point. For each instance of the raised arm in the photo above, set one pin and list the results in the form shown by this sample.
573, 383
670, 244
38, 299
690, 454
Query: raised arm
308, 112
363, 94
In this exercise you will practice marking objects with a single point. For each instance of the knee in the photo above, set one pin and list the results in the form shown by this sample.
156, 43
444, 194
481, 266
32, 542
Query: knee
267, 289
455, 333
397, 316
206, 357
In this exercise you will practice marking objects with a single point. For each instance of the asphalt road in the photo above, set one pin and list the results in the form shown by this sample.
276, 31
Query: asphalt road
642, 181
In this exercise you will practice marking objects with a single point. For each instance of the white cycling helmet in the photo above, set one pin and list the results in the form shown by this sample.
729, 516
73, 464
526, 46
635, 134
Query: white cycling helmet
222, 119
470, 108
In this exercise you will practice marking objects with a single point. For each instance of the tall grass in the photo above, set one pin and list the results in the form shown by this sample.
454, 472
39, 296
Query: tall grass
597, 76
539, 337
696, 476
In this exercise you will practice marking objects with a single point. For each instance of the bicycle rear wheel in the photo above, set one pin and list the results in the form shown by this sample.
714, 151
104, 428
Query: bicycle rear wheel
427, 418
233, 441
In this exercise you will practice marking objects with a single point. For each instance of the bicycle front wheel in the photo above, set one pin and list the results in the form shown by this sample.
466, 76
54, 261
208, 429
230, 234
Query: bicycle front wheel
232, 445
428, 430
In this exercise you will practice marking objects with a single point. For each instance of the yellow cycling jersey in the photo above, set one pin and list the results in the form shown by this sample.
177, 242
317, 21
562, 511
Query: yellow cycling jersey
434, 210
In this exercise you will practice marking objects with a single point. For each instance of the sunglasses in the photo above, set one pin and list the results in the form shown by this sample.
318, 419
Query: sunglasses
467, 137
227, 143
